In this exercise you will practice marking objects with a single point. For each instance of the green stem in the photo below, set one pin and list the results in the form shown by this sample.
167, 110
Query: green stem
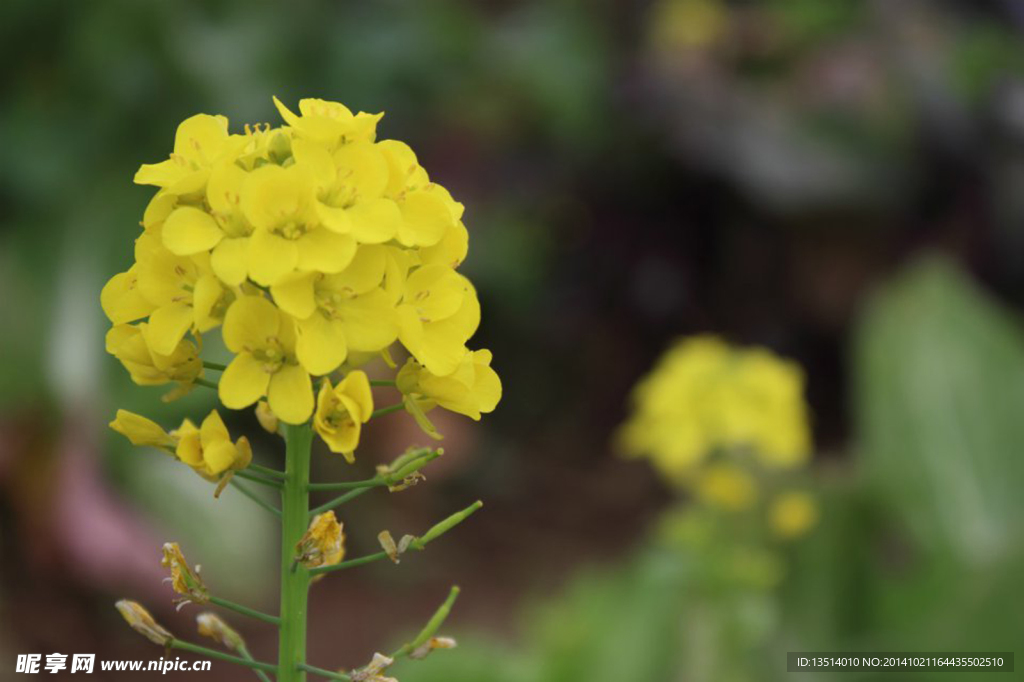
255, 498
245, 611
203, 382
267, 471
294, 579
324, 673
383, 382
219, 655
384, 410
347, 485
214, 366
337, 501
244, 653
258, 479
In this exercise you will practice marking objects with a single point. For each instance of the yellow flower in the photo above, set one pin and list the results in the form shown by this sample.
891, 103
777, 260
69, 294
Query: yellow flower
342, 410
705, 395
265, 365
288, 234
473, 388
329, 123
183, 293
211, 625
143, 623
142, 431
792, 514
128, 344
121, 299
339, 313
350, 185
315, 246
727, 486
183, 580
323, 543
438, 314
209, 449
200, 141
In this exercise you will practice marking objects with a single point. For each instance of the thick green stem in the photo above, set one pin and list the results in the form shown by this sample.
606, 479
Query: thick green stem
294, 578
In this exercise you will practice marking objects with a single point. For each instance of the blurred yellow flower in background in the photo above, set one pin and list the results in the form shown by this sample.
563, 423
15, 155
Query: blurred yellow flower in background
705, 396
792, 514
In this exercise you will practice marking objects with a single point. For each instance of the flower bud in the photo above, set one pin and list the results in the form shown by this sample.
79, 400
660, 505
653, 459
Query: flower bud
266, 417
210, 625
140, 621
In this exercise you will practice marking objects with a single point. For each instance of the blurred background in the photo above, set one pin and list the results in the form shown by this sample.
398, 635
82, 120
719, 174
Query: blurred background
841, 181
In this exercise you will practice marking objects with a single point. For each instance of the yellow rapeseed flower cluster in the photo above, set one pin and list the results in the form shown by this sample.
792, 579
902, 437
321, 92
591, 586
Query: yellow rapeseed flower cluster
314, 247
729, 426
706, 396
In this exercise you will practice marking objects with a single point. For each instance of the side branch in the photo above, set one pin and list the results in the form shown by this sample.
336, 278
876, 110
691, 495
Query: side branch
419, 543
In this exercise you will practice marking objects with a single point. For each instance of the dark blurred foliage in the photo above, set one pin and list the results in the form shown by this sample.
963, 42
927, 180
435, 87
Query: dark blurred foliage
631, 172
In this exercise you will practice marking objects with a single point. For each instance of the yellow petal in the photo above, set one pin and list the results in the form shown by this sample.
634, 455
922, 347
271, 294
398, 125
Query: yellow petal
334, 218
322, 250
199, 138
270, 257
249, 323
121, 299
190, 449
213, 429
375, 221
365, 272
189, 230
370, 321
243, 382
205, 299
290, 394
293, 294
425, 219
363, 166
229, 261
435, 291
167, 327
356, 387
321, 345
317, 159
220, 456
140, 430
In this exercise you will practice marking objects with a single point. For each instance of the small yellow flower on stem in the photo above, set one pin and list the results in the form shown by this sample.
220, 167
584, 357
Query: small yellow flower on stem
472, 389
184, 580
209, 450
128, 344
265, 364
341, 411
140, 621
211, 625
142, 431
323, 543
